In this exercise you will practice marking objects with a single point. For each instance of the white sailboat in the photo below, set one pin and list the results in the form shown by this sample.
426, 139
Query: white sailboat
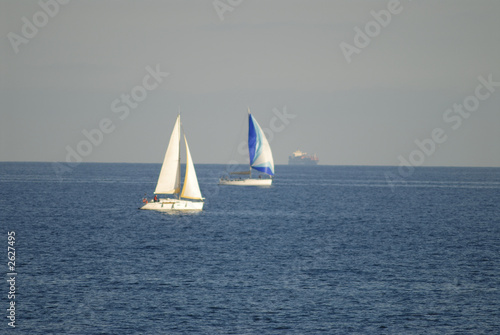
261, 158
169, 181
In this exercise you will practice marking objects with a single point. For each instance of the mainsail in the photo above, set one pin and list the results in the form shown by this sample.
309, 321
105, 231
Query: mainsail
169, 181
261, 157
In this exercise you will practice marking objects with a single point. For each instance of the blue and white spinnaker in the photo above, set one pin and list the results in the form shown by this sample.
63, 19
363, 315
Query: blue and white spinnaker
261, 157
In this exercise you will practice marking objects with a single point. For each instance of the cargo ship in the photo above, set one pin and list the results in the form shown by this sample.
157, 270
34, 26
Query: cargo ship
301, 158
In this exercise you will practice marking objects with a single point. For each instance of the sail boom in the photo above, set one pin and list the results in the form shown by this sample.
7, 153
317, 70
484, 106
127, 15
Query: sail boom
176, 191
240, 172
192, 198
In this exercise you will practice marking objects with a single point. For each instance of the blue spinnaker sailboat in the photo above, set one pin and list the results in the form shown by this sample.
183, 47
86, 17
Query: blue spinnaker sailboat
261, 158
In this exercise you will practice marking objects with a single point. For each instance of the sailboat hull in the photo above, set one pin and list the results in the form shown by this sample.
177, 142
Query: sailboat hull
173, 205
246, 182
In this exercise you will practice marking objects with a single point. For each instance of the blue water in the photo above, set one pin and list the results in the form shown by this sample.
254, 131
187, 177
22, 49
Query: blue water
326, 249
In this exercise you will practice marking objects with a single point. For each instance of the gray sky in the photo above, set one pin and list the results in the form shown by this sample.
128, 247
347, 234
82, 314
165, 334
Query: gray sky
277, 57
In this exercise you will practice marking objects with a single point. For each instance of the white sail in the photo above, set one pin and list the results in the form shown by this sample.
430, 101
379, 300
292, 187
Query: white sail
169, 181
191, 189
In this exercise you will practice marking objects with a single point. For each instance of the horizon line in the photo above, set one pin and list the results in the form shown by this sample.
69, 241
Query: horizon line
367, 165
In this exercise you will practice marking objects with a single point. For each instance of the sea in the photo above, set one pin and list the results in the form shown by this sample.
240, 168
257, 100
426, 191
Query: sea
324, 250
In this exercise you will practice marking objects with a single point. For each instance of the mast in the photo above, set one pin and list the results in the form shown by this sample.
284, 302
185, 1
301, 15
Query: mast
248, 144
179, 160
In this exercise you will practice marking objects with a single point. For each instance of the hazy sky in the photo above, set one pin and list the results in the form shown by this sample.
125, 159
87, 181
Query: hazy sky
342, 79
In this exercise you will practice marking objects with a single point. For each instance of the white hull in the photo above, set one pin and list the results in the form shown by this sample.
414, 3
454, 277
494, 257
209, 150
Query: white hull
174, 205
246, 182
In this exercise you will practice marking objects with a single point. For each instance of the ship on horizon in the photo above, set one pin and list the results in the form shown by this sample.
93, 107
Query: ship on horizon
301, 158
